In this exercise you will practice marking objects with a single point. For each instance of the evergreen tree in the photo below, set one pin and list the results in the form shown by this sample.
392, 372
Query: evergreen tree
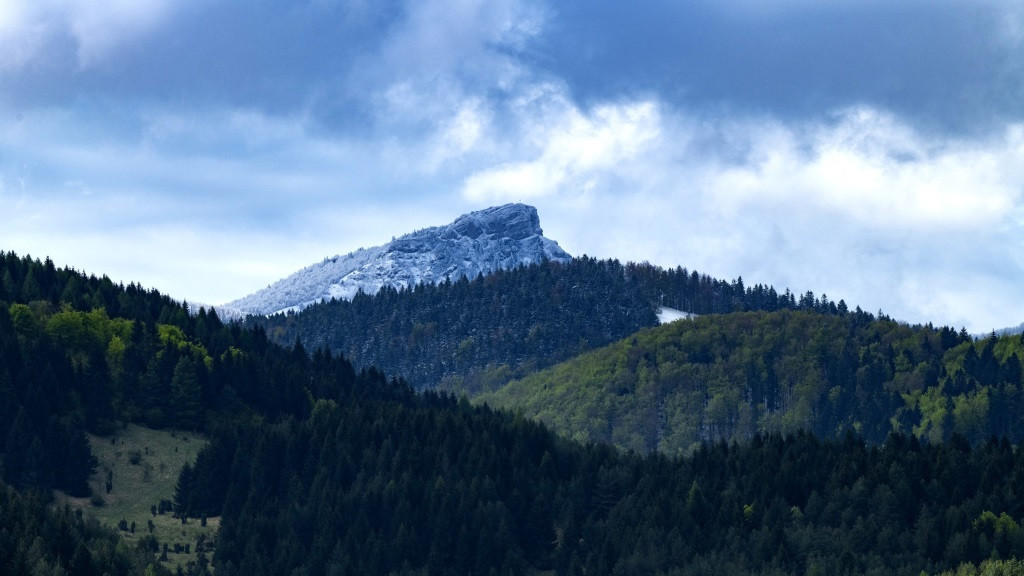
186, 395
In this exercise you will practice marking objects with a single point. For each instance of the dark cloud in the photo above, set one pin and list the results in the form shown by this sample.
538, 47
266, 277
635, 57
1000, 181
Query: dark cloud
946, 65
269, 55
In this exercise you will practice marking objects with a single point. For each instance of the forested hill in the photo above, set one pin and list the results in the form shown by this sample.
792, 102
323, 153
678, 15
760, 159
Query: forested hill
477, 335
66, 340
315, 468
81, 354
728, 377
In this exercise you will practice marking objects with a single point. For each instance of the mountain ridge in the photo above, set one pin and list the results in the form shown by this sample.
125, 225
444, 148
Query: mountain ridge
476, 243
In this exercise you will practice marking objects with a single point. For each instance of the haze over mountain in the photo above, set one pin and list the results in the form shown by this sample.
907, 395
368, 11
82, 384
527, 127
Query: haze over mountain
475, 243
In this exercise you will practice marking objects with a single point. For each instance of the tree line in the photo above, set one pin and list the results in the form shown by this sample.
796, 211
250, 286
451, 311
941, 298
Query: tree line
475, 335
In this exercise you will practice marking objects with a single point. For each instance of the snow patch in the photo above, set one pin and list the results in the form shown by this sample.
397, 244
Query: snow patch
480, 242
666, 315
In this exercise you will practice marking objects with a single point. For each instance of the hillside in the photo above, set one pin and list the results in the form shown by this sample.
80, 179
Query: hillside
477, 334
313, 466
728, 377
82, 357
424, 485
480, 333
142, 467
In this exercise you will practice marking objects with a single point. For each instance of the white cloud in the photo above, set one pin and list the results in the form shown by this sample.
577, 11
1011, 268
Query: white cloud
860, 206
458, 135
100, 27
870, 168
22, 33
884, 217
572, 151
1012, 22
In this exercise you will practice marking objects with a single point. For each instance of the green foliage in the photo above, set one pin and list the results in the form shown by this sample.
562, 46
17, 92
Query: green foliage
1011, 567
69, 364
186, 394
728, 377
37, 539
173, 337
933, 406
478, 333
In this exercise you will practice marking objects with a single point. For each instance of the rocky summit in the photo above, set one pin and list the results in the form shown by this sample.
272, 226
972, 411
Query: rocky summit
475, 243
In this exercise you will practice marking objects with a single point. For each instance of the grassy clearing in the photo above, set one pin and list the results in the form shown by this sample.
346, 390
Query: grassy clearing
143, 467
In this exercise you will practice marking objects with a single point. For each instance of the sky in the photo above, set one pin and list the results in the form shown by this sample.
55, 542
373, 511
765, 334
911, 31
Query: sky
869, 150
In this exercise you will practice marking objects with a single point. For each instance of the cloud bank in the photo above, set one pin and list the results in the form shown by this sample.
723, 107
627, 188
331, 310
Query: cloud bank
871, 151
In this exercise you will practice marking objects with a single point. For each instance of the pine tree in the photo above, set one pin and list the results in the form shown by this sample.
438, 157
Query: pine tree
186, 395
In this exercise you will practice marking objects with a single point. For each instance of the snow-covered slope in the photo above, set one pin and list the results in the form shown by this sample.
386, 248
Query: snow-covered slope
478, 242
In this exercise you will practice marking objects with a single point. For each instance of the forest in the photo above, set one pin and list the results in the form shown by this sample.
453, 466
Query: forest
429, 485
728, 377
473, 336
319, 465
80, 354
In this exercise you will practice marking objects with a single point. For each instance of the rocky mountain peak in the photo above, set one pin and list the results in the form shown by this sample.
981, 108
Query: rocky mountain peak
513, 221
475, 243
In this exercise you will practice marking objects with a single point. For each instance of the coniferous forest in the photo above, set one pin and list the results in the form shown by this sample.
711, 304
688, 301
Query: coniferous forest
476, 335
318, 465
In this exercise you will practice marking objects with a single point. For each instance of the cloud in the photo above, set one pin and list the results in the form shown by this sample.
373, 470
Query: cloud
870, 150
945, 66
871, 168
22, 33
868, 210
30, 30
458, 135
860, 204
100, 27
573, 150
444, 37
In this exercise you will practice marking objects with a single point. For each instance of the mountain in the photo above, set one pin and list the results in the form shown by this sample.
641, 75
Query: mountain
476, 243
474, 335
479, 333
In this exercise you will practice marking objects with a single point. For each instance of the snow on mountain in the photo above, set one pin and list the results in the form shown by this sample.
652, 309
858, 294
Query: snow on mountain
1018, 329
475, 243
666, 315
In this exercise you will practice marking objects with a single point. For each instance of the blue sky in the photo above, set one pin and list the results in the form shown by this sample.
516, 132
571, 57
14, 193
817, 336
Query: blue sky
869, 150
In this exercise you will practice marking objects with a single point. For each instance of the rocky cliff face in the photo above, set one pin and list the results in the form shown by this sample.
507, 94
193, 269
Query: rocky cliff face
475, 243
